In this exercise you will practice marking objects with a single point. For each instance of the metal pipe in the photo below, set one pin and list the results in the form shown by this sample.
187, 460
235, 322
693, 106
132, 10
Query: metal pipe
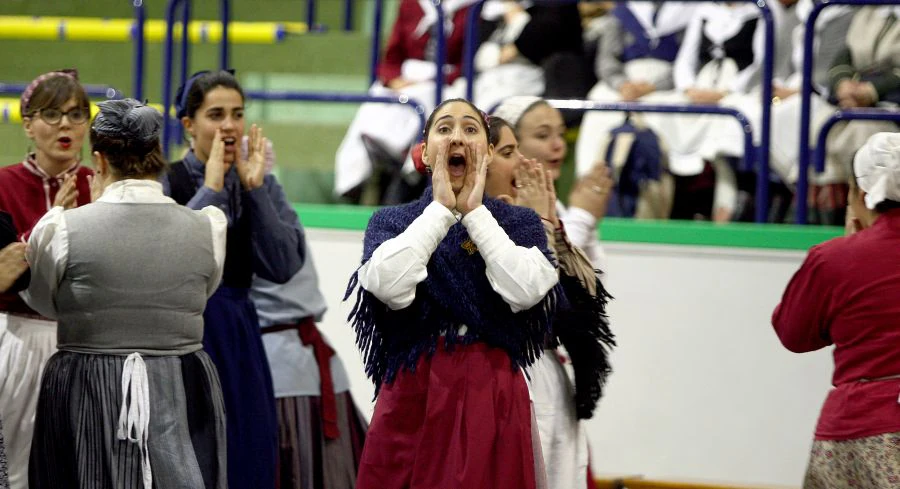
848, 115
225, 14
583, 105
168, 53
137, 73
441, 54
299, 96
376, 41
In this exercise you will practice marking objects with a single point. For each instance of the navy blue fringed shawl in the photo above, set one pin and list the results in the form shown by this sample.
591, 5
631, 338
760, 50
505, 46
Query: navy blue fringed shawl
456, 292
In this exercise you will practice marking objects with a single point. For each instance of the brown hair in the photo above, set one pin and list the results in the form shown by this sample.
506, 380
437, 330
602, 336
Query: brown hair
496, 125
53, 93
129, 157
482, 118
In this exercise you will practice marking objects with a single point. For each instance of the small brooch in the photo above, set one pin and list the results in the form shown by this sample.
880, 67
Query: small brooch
469, 246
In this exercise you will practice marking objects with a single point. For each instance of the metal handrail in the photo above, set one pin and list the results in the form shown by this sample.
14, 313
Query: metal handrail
585, 105
763, 169
337, 97
847, 115
806, 89
92, 91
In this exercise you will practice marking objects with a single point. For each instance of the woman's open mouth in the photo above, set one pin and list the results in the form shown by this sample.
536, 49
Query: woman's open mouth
456, 165
65, 142
230, 144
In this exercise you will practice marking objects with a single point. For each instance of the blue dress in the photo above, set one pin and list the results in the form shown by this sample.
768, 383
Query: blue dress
264, 239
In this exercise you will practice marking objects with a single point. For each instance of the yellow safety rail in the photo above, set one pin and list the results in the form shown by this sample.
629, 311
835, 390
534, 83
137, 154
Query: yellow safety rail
121, 30
9, 110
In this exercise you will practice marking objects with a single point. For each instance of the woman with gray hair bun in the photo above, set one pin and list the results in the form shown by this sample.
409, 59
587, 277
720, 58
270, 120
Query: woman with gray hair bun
845, 294
130, 400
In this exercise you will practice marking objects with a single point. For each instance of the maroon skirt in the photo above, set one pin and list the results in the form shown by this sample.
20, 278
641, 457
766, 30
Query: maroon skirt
461, 420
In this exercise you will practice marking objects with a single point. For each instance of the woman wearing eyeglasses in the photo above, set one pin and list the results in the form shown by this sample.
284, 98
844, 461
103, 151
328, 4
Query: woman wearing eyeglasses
55, 112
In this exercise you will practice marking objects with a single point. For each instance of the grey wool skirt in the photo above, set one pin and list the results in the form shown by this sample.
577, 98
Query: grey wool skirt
171, 427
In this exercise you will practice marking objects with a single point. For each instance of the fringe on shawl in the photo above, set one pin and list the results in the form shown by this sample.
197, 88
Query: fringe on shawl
583, 329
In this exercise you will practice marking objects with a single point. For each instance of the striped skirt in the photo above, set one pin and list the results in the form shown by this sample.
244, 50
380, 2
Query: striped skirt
307, 460
76, 444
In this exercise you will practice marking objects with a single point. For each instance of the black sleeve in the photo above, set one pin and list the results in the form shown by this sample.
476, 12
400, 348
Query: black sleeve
552, 29
8, 235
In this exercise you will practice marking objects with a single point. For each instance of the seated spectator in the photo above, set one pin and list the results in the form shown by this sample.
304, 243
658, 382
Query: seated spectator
529, 48
635, 52
863, 73
379, 138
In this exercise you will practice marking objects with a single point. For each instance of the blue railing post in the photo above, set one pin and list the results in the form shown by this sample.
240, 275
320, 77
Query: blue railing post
310, 13
762, 175
376, 40
348, 15
471, 44
441, 54
168, 54
868, 114
137, 73
225, 14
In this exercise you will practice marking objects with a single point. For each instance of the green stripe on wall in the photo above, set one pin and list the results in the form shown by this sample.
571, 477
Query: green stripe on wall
735, 235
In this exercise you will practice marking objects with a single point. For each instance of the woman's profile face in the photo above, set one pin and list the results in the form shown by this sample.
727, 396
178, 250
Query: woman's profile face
501, 178
542, 137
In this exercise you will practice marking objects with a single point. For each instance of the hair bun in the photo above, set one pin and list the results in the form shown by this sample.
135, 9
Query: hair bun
128, 119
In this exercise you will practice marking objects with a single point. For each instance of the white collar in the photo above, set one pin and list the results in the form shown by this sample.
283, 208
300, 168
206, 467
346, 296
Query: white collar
132, 191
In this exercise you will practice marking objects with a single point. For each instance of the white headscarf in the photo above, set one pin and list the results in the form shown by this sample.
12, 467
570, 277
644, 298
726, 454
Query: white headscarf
450, 8
513, 108
877, 168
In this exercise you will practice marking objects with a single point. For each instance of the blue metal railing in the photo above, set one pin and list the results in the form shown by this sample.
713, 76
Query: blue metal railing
336, 97
762, 180
92, 91
168, 53
376, 41
818, 154
806, 90
440, 49
585, 105
137, 73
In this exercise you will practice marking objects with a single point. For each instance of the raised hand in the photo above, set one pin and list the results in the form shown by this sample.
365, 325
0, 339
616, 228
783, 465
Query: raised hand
12, 264
440, 177
214, 175
252, 171
472, 193
592, 191
535, 190
67, 195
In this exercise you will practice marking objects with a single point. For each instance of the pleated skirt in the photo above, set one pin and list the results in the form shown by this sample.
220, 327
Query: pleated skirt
462, 420
866, 463
307, 460
233, 340
75, 441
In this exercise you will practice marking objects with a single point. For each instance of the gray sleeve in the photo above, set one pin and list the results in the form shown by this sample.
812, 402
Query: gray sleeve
279, 242
608, 65
830, 41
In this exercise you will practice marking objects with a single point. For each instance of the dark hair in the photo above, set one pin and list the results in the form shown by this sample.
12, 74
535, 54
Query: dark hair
127, 133
53, 93
496, 125
482, 119
190, 96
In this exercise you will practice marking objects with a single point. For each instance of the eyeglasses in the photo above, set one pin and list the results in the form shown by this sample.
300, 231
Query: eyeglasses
53, 117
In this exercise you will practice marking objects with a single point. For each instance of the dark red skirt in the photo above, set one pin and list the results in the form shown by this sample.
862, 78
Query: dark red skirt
462, 420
